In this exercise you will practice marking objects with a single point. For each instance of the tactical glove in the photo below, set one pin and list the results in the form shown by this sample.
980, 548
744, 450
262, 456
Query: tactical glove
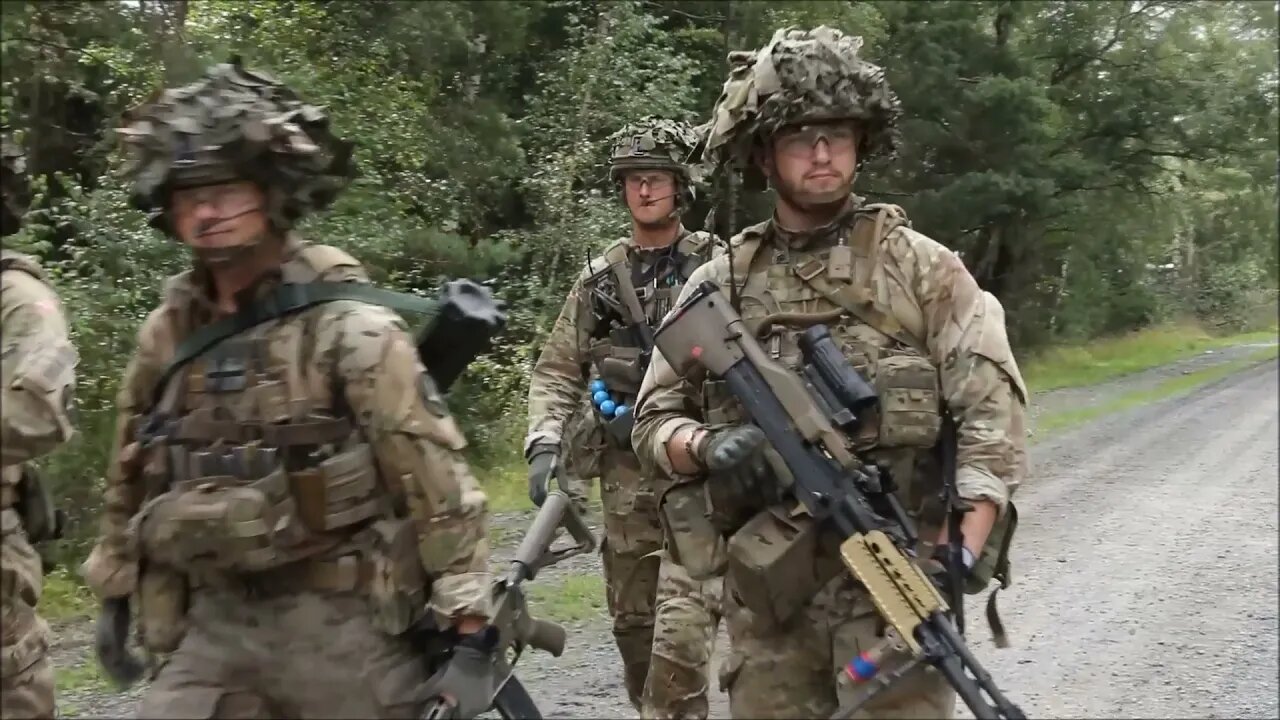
731, 448
465, 687
544, 461
738, 479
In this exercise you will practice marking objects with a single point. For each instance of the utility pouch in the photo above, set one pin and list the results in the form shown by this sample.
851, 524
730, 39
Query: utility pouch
779, 563
692, 540
339, 492
222, 523
910, 401
398, 587
162, 598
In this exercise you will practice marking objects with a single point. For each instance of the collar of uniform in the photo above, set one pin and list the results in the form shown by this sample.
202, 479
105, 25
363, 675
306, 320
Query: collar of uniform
818, 237
645, 254
195, 288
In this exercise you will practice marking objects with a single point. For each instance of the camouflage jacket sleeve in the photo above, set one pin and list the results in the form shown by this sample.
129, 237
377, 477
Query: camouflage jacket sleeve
38, 370
111, 569
558, 380
964, 330
418, 449
668, 402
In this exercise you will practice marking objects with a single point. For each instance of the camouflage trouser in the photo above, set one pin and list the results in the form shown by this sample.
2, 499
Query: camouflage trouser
797, 670
641, 595
26, 677
632, 536
303, 655
688, 613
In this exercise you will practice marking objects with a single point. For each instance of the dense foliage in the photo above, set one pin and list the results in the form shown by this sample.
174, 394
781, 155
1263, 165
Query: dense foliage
1100, 165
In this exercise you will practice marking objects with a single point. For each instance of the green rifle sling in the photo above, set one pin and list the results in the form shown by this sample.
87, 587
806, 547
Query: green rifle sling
285, 300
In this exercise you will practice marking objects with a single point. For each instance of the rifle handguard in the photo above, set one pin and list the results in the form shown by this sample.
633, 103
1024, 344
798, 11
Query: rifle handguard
535, 551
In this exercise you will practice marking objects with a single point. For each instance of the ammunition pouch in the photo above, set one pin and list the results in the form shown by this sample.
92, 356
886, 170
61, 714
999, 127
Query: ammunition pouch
910, 401
779, 561
398, 583
40, 519
621, 370
226, 523
162, 597
692, 540
719, 407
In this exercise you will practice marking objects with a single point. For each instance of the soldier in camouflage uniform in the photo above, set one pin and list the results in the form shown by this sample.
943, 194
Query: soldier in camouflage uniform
805, 111
37, 381
599, 337
286, 505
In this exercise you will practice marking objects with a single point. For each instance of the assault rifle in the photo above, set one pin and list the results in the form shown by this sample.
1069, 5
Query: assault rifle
460, 325
802, 418
517, 629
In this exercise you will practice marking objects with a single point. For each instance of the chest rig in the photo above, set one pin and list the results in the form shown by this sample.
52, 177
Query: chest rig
254, 463
628, 296
877, 326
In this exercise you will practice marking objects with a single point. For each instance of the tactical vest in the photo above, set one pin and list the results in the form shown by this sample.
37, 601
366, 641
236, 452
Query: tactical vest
775, 284
621, 295
255, 463
781, 291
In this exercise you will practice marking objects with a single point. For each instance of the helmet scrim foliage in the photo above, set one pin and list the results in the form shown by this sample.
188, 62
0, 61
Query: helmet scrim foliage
235, 124
656, 143
801, 76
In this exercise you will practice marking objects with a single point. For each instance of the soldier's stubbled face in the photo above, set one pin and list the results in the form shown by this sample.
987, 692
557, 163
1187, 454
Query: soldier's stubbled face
812, 165
219, 216
651, 196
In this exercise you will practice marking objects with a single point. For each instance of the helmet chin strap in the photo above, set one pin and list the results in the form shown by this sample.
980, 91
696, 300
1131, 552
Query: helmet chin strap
222, 257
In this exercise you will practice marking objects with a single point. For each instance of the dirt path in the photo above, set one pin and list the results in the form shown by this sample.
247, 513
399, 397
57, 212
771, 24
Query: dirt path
1145, 582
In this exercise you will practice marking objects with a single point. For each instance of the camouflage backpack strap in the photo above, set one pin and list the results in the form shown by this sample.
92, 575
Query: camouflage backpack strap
695, 249
740, 253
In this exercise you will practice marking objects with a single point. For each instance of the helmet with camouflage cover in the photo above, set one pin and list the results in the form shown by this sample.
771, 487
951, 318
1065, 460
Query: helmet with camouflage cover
801, 76
234, 124
14, 191
655, 143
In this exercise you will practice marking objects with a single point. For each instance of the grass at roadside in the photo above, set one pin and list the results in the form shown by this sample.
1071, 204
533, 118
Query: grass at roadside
65, 598
84, 677
1069, 418
574, 598
1104, 359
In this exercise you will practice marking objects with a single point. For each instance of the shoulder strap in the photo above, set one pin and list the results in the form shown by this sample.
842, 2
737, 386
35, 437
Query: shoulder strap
855, 300
616, 256
853, 296
285, 299
741, 252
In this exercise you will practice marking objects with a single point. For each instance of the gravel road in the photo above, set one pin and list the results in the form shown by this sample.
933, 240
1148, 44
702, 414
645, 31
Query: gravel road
1145, 569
